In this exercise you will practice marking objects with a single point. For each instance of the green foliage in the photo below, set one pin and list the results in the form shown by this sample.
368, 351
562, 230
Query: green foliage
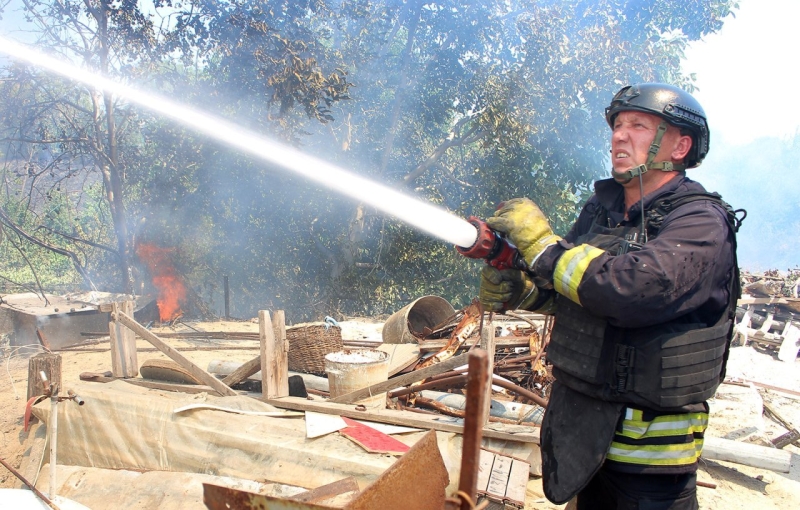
461, 103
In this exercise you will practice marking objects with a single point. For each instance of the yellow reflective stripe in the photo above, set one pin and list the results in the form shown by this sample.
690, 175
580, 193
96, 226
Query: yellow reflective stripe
679, 426
670, 425
570, 269
659, 455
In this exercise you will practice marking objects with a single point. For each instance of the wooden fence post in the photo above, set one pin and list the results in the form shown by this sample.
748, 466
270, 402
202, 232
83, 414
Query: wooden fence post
274, 355
124, 359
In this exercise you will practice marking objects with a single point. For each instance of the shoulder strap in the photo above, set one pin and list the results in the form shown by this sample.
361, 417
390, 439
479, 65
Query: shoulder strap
663, 206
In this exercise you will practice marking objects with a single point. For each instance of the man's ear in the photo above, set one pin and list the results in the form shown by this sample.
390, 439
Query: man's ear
682, 148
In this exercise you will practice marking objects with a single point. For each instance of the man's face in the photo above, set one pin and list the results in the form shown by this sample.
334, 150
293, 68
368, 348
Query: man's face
633, 133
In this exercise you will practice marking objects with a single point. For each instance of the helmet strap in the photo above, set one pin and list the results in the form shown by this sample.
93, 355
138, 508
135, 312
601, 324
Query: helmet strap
665, 166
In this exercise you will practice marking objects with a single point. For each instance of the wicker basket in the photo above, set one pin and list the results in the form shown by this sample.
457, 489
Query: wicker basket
308, 345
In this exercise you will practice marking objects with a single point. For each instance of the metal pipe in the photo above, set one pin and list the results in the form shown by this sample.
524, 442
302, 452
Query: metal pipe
29, 485
477, 386
53, 442
441, 383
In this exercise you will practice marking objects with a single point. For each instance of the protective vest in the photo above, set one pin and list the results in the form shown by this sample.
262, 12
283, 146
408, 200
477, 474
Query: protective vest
663, 367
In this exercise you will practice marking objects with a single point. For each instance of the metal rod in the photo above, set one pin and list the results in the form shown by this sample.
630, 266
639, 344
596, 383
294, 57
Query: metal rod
441, 383
477, 386
30, 485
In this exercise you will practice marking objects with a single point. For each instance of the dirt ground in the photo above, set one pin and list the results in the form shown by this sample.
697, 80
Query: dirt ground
736, 411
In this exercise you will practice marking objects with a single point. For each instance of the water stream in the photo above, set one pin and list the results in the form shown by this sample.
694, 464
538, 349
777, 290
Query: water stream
421, 215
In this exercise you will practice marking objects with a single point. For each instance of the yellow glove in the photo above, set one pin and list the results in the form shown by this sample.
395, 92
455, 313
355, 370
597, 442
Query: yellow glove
525, 225
509, 289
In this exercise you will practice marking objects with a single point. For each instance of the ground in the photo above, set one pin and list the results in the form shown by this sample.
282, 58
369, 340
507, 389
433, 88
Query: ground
736, 414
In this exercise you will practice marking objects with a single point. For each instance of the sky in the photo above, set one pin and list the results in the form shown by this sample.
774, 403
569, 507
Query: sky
747, 76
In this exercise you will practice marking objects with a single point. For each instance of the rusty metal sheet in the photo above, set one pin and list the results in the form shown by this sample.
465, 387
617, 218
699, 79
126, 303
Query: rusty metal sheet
417, 480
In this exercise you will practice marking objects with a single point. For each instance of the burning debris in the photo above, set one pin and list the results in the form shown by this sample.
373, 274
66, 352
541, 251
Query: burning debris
171, 290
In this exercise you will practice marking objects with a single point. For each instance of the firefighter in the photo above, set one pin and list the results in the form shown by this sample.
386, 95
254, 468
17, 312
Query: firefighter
644, 289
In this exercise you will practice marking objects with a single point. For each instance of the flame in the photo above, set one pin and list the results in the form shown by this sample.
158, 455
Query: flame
171, 291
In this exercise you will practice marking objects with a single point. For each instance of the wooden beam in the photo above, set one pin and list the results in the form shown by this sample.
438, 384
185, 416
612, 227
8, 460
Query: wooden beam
174, 355
405, 418
488, 345
153, 385
748, 454
274, 354
124, 361
243, 372
403, 380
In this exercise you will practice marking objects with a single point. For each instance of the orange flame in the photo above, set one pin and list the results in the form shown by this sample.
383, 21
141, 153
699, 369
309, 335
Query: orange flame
171, 291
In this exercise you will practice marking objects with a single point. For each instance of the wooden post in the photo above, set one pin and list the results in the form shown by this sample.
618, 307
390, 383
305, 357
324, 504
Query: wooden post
274, 355
45, 362
488, 345
227, 298
124, 360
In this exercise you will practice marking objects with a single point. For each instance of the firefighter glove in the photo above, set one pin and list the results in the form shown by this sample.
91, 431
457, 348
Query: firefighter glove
507, 289
525, 225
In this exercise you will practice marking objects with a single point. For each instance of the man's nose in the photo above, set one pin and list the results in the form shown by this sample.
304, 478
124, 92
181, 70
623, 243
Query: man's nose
620, 134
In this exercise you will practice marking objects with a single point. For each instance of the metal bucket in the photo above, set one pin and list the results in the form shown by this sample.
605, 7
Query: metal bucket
425, 312
353, 369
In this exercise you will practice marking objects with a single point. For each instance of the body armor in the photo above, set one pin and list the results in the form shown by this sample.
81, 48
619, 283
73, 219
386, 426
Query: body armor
663, 367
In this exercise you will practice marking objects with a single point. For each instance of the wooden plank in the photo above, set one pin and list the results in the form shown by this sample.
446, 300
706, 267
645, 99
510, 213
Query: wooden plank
484, 470
518, 482
403, 380
488, 342
404, 418
748, 454
401, 356
274, 354
153, 385
124, 360
498, 479
200, 374
243, 372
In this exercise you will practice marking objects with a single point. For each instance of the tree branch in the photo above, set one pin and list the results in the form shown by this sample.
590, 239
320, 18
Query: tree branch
10, 224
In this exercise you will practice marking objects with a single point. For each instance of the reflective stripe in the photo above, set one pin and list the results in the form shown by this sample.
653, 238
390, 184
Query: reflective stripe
669, 455
686, 429
570, 269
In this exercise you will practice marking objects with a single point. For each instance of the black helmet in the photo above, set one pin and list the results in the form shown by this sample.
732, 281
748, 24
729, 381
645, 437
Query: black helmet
671, 103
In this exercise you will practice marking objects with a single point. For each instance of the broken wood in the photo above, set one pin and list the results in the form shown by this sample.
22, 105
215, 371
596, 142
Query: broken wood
488, 345
173, 354
153, 385
403, 380
45, 362
408, 418
124, 362
790, 437
243, 372
274, 355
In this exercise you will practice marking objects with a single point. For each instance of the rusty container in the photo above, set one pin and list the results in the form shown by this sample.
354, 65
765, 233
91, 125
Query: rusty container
406, 325
353, 369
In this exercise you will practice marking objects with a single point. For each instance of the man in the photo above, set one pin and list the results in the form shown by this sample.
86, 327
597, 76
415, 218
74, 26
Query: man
644, 289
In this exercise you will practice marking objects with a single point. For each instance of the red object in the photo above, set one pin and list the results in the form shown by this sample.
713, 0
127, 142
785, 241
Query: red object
374, 441
495, 249
31, 402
